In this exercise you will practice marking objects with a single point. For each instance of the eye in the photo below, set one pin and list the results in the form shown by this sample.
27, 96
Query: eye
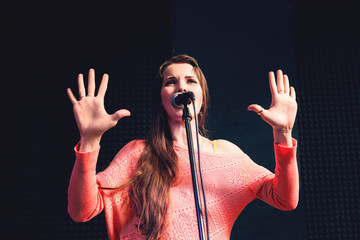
169, 82
191, 80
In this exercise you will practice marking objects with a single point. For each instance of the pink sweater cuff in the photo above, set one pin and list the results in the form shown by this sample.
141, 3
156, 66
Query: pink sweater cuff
284, 152
86, 161
294, 144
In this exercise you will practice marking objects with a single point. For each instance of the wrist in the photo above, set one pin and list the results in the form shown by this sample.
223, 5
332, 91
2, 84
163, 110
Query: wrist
282, 137
89, 144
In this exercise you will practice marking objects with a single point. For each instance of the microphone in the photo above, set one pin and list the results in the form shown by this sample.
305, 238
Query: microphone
179, 100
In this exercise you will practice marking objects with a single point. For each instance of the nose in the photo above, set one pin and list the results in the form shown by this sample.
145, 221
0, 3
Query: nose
182, 87
182, 90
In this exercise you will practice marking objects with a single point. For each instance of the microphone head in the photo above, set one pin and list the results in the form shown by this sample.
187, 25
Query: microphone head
173, 103
178, 100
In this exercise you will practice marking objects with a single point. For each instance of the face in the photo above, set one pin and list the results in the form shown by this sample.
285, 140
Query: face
180, 77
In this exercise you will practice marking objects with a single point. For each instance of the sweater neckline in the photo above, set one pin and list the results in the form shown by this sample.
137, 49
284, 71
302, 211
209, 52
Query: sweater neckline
182, 147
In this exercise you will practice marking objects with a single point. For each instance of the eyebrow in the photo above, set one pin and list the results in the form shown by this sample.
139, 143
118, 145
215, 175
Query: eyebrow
173, 77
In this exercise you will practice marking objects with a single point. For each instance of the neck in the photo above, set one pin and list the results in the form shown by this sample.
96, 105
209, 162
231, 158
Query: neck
178, 132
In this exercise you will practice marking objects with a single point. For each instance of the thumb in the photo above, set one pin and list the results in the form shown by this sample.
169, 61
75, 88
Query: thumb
120, 114
255, 107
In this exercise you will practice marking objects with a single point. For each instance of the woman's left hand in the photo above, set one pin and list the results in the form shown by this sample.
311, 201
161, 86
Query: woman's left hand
282, 112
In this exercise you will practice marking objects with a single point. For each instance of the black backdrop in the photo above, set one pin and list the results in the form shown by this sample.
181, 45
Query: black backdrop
45, 44
328, 59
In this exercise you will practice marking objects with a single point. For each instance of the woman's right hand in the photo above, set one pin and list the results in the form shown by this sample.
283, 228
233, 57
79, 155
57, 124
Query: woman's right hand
90, 114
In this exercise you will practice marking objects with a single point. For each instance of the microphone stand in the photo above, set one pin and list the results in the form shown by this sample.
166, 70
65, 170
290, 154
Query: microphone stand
187, 118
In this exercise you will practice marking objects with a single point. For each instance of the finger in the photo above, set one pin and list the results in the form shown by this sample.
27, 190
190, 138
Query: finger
292, 93
256, 108
272, 83
120, 114
103, 86
286, 84
280, 81
71, 95
91, 82
81, 86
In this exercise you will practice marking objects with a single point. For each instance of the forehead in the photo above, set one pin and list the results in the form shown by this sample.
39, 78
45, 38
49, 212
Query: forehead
179, 70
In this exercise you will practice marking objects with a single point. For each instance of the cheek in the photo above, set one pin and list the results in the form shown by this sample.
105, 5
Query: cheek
165, 97
198, 97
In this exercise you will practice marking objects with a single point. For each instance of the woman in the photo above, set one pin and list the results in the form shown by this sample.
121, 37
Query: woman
146, 192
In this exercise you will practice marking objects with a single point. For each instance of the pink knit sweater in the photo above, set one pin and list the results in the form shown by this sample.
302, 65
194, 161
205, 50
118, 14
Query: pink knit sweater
231, 182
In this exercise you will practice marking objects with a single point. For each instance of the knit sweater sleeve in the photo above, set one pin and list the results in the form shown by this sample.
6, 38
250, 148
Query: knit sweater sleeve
85, 200
281, 189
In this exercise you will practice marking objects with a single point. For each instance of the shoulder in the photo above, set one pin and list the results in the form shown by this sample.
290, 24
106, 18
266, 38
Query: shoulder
133, 148
226, 147
128, 156
135, 144
123, 165
254, 171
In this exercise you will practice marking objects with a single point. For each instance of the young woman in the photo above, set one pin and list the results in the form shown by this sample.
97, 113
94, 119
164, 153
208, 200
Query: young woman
146, 192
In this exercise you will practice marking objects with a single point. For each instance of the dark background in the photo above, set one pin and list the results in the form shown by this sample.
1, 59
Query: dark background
45, 44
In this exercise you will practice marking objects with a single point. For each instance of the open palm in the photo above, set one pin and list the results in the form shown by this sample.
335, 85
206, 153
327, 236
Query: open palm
282, 112
90, 114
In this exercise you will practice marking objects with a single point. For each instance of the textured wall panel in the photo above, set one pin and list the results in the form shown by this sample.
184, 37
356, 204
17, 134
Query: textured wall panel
328, 50
44, 45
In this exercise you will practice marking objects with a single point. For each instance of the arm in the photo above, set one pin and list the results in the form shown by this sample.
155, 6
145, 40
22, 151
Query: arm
281, 190
84, 200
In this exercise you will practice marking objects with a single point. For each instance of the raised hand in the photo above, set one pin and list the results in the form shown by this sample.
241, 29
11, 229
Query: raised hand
282, 112
90, 114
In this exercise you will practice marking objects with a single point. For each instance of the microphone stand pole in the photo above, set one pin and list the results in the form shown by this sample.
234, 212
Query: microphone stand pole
187, 118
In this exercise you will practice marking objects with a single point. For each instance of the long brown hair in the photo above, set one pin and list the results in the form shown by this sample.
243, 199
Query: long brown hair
158, 163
